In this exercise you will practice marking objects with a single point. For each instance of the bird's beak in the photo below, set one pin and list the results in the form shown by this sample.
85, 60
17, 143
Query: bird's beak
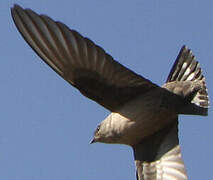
92, 141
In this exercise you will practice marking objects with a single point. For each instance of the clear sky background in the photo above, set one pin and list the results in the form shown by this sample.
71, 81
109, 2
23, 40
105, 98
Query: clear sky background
46, 125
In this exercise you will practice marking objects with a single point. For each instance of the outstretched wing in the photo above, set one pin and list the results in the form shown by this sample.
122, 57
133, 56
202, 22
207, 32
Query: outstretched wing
158, 157
79, 61
185, 67
186, 79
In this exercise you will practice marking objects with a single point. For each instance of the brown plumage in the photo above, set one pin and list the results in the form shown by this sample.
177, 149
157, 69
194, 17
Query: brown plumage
144, 115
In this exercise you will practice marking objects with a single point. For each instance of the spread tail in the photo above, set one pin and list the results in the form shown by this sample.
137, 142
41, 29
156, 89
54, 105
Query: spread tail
186, 79
159, 156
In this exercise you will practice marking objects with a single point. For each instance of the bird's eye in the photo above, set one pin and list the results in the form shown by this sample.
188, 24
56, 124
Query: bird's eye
97, 129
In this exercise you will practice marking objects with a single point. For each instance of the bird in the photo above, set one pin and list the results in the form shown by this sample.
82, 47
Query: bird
143, 115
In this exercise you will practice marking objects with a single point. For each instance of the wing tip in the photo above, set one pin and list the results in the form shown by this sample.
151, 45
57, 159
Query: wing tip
187, 68
180, 69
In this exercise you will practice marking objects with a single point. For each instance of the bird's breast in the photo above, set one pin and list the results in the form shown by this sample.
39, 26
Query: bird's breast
140, 118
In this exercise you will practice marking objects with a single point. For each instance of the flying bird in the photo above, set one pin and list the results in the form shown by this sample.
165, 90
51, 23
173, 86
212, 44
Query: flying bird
143, 114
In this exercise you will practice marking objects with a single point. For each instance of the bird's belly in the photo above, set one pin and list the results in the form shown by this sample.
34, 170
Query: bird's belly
140, 118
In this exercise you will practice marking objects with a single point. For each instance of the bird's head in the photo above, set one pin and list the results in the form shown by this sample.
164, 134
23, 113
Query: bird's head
97, 135
105, 134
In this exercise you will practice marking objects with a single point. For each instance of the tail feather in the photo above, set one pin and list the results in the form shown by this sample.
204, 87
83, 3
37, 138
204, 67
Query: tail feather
186, 79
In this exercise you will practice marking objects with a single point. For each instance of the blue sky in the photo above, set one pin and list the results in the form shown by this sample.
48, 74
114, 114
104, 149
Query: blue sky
46, 125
